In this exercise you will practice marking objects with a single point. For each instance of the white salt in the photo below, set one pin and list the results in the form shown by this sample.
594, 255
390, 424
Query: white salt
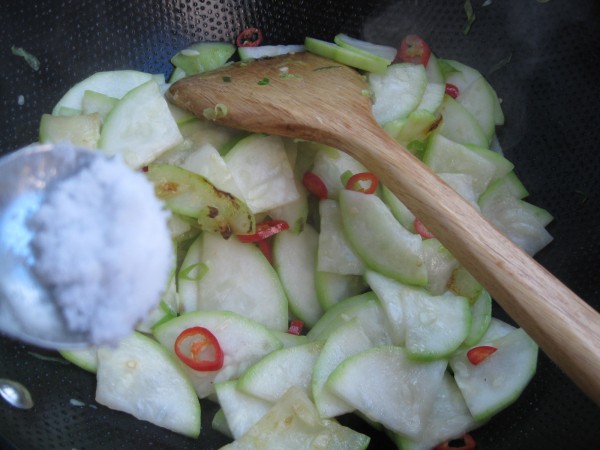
103, 249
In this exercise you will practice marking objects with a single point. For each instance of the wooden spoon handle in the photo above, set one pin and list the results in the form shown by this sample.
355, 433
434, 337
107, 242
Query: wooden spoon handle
566, 328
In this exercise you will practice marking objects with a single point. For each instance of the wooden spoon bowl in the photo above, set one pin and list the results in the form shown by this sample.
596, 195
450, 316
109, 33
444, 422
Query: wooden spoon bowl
313, 98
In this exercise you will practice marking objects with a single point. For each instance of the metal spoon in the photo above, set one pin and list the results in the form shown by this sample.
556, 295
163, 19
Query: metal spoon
15, 394
26, 310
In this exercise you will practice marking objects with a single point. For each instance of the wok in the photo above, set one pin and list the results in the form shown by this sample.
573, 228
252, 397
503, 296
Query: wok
540, 56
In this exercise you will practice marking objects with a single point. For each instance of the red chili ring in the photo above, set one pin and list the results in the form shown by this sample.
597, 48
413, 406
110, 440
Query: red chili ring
250, 37
353, 183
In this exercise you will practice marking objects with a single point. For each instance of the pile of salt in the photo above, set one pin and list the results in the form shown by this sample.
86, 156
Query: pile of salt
103, 249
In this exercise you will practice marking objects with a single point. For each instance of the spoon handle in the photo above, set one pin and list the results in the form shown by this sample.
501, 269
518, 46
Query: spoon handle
565, 327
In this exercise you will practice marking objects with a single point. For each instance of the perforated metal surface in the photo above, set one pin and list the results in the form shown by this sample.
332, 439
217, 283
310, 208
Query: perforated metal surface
550, 90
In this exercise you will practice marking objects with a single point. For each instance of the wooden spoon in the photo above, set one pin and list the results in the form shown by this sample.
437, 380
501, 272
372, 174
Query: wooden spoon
309, 97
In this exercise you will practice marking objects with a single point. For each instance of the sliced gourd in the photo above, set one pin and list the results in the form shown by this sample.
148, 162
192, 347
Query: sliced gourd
86, 358
449, 419
189, 194
272, 376
261, 168
199, 132
294, 423
79, 130
495, 330
434, 72
399, 209
241, 410
366, 308
416, 126
140, 127
386, 52
115, 83
203, 56
440, 264
143, 379
398, 91
435, 325
347, 340
459, 125
242, 340
509, 185
207, 162
294, 258
394, 391
498, 380
432, 97
459, 74
219, 423
335, 254
264, 51
519, 220
462, 183
388, 292
348, 56
239, 278
481, 316
93, 102
333, 287
381, 242
479, 100
446, 156
462, 283
295, 213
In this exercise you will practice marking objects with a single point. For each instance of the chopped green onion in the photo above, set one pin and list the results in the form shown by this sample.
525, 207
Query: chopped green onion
289, 75
28, 57
49, 358
193, 272
344, 177
470, 16
263, 82
583, 195
218, 112
318, 69
500, 64
227, 79
416, 147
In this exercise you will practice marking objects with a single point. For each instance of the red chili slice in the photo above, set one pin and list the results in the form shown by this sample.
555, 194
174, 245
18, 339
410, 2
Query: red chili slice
452, 90
264, 230
422, 229
250, 37
413, 49
265, 248
199, 349
354, 183
479, 354
468, 444
315, 185
296, 327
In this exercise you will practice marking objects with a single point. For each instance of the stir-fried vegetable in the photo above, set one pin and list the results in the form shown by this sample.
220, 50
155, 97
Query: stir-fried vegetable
350, 289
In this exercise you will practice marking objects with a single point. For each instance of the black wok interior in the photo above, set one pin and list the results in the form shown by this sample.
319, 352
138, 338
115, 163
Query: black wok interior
542, 58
